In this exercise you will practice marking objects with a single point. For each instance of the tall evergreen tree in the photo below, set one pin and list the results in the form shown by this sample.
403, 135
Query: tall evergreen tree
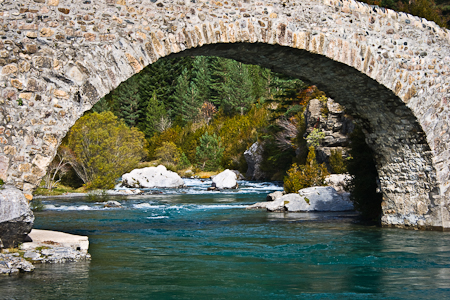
154, 112
201, 77
231, 85
104, 104
188, 102
261, 78
126, 101
161, 78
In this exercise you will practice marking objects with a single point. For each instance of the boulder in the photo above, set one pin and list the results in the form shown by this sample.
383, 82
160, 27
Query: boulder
338, 181
16, 217
239, 176
152, 177
112, 203
225, 180
274, 196
325, 198
322, 198
254, 158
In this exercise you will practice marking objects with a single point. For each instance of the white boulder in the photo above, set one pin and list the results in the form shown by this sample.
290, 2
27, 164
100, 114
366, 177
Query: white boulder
274, 196
112, 203
151, 177
338, 181
225, 180
323, 198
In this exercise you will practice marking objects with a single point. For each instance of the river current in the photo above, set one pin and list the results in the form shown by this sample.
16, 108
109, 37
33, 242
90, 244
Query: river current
193, 244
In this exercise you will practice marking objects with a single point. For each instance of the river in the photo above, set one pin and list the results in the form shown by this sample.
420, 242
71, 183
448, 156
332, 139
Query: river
193, 244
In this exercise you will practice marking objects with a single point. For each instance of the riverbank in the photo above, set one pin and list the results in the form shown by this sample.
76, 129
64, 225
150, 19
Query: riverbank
44, 246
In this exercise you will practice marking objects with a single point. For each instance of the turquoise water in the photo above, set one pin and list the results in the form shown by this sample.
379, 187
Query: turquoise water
207, 246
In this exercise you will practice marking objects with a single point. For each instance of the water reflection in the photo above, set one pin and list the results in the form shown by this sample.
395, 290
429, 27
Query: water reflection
48, 281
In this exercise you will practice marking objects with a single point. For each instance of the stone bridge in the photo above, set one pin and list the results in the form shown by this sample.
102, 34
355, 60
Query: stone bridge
389, 70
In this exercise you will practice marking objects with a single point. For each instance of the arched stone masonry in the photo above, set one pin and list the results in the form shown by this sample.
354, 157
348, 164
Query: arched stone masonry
390, 70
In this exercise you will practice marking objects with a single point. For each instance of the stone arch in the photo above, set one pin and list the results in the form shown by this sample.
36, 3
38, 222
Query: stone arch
389, 69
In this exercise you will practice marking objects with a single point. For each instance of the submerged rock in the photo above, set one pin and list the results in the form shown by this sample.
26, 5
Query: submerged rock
152, 177
310, 199
225, 180
16, 217
12, 263
112, 203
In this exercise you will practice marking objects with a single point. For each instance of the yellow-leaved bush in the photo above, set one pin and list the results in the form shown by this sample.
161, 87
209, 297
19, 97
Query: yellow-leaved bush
105, 148
303, 176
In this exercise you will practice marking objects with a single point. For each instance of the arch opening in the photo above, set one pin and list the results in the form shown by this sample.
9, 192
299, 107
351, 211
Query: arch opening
390, 128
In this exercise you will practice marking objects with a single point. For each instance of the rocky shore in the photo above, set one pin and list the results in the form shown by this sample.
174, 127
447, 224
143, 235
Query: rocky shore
45, 246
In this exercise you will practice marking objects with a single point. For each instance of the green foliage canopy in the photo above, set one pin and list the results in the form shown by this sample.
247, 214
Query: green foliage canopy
105, 148
168, 153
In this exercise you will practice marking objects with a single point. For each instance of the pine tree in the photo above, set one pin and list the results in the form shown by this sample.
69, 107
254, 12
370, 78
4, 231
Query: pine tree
201, 77
154, 112
104, 104
187, 98
209, 153
260, 81
126, 101
232, 86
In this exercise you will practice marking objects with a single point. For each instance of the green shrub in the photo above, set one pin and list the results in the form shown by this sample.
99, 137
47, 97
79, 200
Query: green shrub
314, 137
97, 196
168, 154
184, 161
337, 162
37, 205
303, 176
104, 149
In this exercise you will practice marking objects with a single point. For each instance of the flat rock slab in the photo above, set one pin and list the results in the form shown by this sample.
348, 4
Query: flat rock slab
48, 238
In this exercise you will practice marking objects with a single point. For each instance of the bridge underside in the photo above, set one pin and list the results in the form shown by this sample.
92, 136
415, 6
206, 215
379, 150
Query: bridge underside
411, 196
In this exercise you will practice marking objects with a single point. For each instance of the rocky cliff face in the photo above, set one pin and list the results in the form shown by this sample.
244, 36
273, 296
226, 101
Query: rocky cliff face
254, 158
330, 118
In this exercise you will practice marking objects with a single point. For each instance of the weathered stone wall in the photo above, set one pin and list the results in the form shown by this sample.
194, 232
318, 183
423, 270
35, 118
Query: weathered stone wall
390, 70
